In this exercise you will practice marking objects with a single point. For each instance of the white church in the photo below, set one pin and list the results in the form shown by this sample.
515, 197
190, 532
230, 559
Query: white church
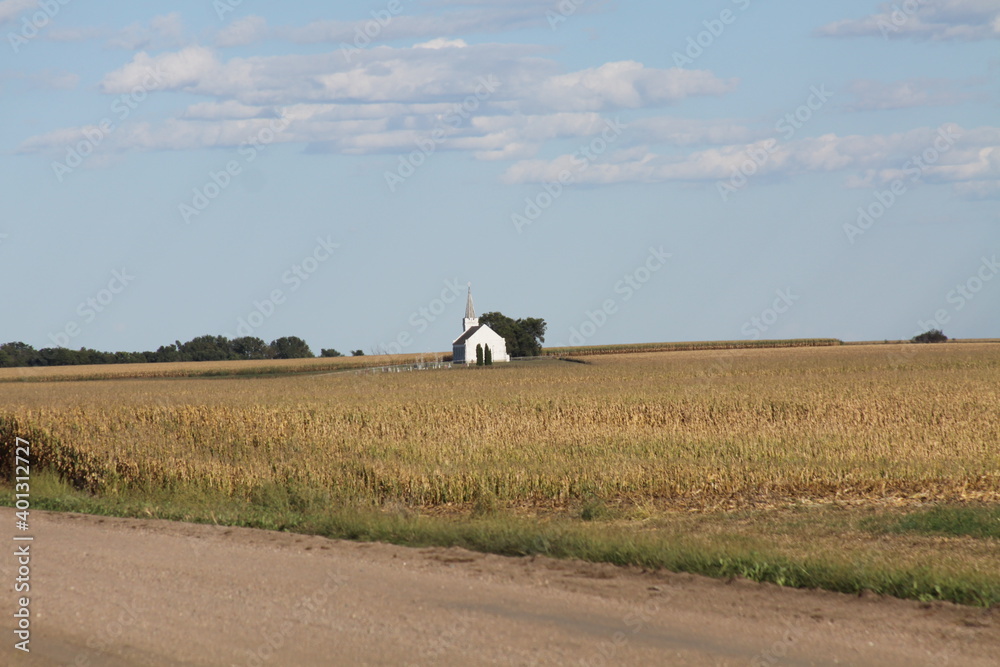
464, 347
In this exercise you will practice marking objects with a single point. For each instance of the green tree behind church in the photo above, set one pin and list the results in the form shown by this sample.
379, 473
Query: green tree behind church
524, 336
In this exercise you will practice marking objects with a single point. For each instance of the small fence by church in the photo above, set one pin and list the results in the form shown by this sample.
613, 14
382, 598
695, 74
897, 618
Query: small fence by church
438, 364
405, 368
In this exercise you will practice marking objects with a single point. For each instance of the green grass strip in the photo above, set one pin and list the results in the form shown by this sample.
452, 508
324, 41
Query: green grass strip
981, 522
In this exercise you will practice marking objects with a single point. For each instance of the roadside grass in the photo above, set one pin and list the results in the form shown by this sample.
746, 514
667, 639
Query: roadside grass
896, 552
980, 521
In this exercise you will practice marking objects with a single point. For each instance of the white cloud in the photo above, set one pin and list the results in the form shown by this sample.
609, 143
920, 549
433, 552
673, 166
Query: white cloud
247, 30
412, 75
228, 110
10, 10
627, 85
442, 43
921, 92
188, 68
967, 20
973, 161
384, 75
510, 113
688, 131
503, 102
182, 134
506, 151
471, 18
541, 127
165, 31
388, 98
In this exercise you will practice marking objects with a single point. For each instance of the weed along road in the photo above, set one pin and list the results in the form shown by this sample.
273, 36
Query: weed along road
109, 591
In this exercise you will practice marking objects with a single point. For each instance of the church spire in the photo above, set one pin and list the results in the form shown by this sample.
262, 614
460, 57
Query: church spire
470, 313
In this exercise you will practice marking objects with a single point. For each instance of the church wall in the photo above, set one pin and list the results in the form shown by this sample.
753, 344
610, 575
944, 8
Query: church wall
488, 337
467, 353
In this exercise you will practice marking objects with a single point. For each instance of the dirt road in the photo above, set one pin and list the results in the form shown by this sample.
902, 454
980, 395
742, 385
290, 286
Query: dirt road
134, 592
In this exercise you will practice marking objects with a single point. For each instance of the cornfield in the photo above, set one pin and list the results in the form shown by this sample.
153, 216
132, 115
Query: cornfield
689, 429
687, 346
211, 368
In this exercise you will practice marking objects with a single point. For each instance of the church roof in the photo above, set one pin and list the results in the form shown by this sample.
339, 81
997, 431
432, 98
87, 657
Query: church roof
468, 334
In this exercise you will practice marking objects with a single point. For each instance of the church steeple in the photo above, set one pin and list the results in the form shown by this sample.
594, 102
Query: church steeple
470, 313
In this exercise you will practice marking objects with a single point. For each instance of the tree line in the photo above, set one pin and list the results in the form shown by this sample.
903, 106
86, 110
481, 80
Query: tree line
202, 348
524, 338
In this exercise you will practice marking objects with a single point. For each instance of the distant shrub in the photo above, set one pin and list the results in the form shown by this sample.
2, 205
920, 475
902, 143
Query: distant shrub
932, 336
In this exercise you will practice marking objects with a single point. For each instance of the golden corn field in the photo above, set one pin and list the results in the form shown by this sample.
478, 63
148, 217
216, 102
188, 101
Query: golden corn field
209, 368
689, 429
687, 346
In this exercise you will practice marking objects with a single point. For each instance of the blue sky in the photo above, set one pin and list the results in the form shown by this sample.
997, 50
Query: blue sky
629, 171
